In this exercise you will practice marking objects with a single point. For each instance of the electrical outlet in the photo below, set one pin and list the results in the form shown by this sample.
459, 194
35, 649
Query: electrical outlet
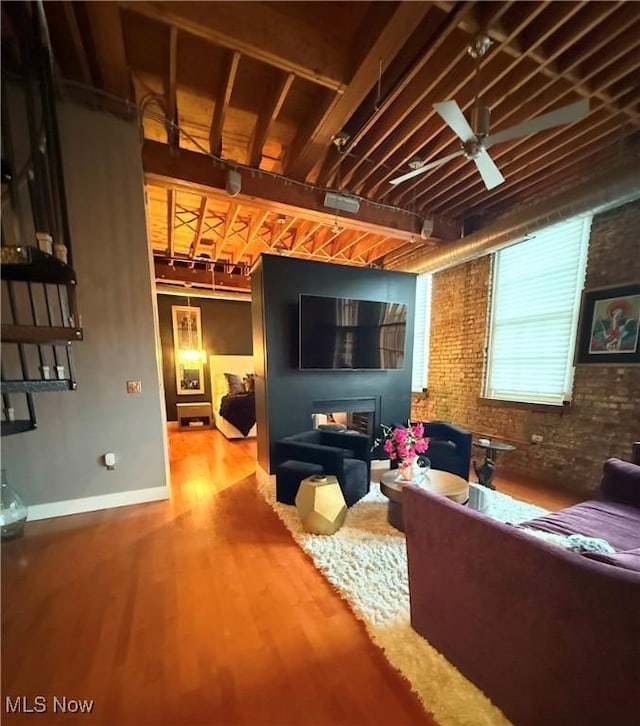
134, 386
536, 438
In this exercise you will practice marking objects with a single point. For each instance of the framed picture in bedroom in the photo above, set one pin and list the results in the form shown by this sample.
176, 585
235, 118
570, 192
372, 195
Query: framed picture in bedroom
188, 351
609, 328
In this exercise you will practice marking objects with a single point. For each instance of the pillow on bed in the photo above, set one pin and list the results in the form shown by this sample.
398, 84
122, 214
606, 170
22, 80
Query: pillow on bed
249, 383
234, 383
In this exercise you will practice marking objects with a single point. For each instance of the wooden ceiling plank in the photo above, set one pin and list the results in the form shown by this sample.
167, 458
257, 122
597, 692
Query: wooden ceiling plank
576, 150
388, 43
193, 252
523, 105
613, 31
437, 40
263, 33
189, 171
268, 115
554, 73
173, 132
516, 165
222, 101
533, 108
459, 187
108, 41
534, 162
394, 147
171, 215
614, 72
496, 69
384, 249
408, 115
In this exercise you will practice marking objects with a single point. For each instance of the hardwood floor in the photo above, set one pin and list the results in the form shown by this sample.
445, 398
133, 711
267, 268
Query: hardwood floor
198, 610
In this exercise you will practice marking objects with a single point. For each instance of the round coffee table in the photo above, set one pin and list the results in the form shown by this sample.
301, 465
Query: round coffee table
439, 482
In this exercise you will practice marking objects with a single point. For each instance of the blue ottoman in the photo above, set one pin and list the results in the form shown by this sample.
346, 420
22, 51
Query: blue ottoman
289, 474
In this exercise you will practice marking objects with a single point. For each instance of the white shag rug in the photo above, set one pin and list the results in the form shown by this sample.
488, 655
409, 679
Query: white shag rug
366, 561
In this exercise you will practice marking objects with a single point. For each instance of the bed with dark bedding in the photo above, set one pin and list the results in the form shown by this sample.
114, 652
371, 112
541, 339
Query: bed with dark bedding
239, 409
233, 401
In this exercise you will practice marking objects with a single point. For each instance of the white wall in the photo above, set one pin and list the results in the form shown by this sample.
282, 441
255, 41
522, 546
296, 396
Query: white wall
61, 460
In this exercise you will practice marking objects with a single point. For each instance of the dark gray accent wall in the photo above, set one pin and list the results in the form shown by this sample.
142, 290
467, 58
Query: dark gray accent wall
285, 395
226, 330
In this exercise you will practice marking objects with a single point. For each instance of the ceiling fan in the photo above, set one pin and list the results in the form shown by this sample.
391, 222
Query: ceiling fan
475, 143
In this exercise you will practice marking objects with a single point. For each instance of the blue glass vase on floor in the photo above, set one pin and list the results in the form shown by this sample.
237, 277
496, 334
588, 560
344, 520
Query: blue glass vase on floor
13, 511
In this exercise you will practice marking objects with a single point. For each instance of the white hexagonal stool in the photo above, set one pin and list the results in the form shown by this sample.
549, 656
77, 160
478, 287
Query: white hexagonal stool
321, 505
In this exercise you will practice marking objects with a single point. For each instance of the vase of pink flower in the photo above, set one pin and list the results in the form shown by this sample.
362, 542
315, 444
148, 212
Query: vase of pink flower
404, 444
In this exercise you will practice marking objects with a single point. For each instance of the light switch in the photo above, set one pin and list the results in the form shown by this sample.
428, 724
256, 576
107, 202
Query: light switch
134, 386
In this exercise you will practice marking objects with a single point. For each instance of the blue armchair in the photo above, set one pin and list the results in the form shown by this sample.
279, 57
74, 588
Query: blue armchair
343, 454
449, 447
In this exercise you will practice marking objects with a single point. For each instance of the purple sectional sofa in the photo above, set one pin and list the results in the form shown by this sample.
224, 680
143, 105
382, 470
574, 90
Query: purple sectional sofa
551, 636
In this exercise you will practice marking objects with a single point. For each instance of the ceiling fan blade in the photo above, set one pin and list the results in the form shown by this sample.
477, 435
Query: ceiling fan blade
451, 113
426, 167
489, 172
565, 115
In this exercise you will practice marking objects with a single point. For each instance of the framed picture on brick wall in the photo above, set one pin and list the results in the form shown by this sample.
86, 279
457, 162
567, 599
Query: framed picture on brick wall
609, 327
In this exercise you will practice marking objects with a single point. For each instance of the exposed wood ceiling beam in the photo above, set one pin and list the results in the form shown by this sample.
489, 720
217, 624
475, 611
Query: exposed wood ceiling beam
171, 215
548, 69
306, 235
269, 36
193, 253
73, 32
281, 229
390, 40
353, 242
438, 38
273, 106
524, 103
383, 249
229, 222
197, 173
462, 76
173, 133
257, 221
227, 79
527, 104
108, 42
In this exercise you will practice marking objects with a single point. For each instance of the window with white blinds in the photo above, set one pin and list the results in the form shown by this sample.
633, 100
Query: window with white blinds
420, 371
537, 287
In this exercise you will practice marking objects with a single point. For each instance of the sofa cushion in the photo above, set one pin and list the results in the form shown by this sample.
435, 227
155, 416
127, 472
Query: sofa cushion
618, 524
629, 560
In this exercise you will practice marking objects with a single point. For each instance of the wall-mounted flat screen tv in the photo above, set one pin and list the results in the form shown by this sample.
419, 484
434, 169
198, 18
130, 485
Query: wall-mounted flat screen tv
344, 334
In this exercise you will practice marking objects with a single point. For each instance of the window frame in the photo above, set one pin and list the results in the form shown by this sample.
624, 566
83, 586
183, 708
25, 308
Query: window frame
529, 398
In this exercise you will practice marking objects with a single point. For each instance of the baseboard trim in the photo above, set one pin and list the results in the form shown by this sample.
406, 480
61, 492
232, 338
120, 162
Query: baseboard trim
92, 504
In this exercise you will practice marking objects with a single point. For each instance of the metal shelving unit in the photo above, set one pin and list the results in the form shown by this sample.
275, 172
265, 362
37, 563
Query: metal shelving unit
40, 318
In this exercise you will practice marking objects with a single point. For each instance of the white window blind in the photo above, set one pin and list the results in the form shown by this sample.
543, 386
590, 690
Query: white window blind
535, 306
420, 371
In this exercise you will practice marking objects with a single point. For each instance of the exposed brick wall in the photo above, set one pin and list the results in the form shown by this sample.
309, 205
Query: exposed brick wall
604, 416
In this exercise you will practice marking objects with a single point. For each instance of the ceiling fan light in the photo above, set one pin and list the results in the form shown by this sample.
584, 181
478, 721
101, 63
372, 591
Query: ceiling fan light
415, 163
